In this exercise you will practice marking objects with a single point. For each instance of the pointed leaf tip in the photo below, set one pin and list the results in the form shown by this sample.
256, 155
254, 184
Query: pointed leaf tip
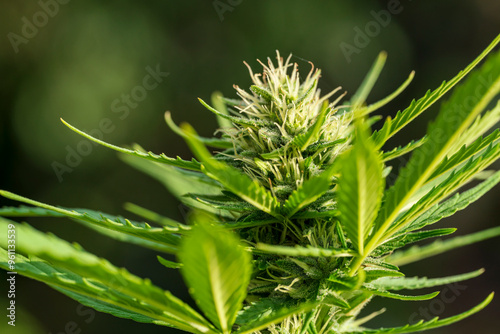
172, 125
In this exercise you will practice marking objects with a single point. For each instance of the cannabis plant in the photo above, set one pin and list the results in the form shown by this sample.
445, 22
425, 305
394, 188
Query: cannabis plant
294, 227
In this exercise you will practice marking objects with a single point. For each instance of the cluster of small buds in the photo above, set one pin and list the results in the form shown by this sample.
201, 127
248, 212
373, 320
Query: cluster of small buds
281, 109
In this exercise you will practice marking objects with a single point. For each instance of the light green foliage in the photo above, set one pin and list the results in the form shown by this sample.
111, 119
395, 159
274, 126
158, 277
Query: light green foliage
399, 283
294, 229
212, 258
434, 323
95, 278
360, 188
417, 253
158, 238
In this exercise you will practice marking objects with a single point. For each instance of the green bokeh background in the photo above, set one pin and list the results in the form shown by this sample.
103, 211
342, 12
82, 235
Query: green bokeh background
90, 53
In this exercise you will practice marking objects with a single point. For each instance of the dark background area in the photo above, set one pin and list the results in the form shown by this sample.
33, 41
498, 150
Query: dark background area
86, 54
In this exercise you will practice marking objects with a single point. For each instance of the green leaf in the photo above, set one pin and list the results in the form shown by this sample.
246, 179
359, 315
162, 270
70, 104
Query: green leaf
232, 102
356, 323
341, 282
33, 211
221, 202
466, 153
442, 134
169, 264
317, 214
217, 271
335, 299
260, 308
391, 127
444, 189
434, 323
98, 273
264, 93
380, 264
90, 293
157, 238
213, 142
303, 251
481, 125
253, 122
219, 103
179, 181
306, 93
454, 204
308, 192
162, 158
151, 215
274, 154
308, 322
117, 311
379, 104
303, 141
411, 283
238, 183
239, 224
417, 253
322, 145
402, 150
360, 188
408, 238
376, 273
392, 295
28, 211
274, 316
366, 86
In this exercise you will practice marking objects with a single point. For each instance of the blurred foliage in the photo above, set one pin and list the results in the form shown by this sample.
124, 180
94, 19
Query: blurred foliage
86, 55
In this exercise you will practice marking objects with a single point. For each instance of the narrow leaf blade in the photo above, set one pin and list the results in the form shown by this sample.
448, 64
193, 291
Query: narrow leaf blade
412, 283
434, 323
161, 158
417, 253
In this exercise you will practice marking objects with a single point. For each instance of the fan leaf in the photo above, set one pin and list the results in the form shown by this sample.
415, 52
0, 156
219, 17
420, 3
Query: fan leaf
217, 270
360, 188
303, 251
97, 273
273, 316
441, 136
